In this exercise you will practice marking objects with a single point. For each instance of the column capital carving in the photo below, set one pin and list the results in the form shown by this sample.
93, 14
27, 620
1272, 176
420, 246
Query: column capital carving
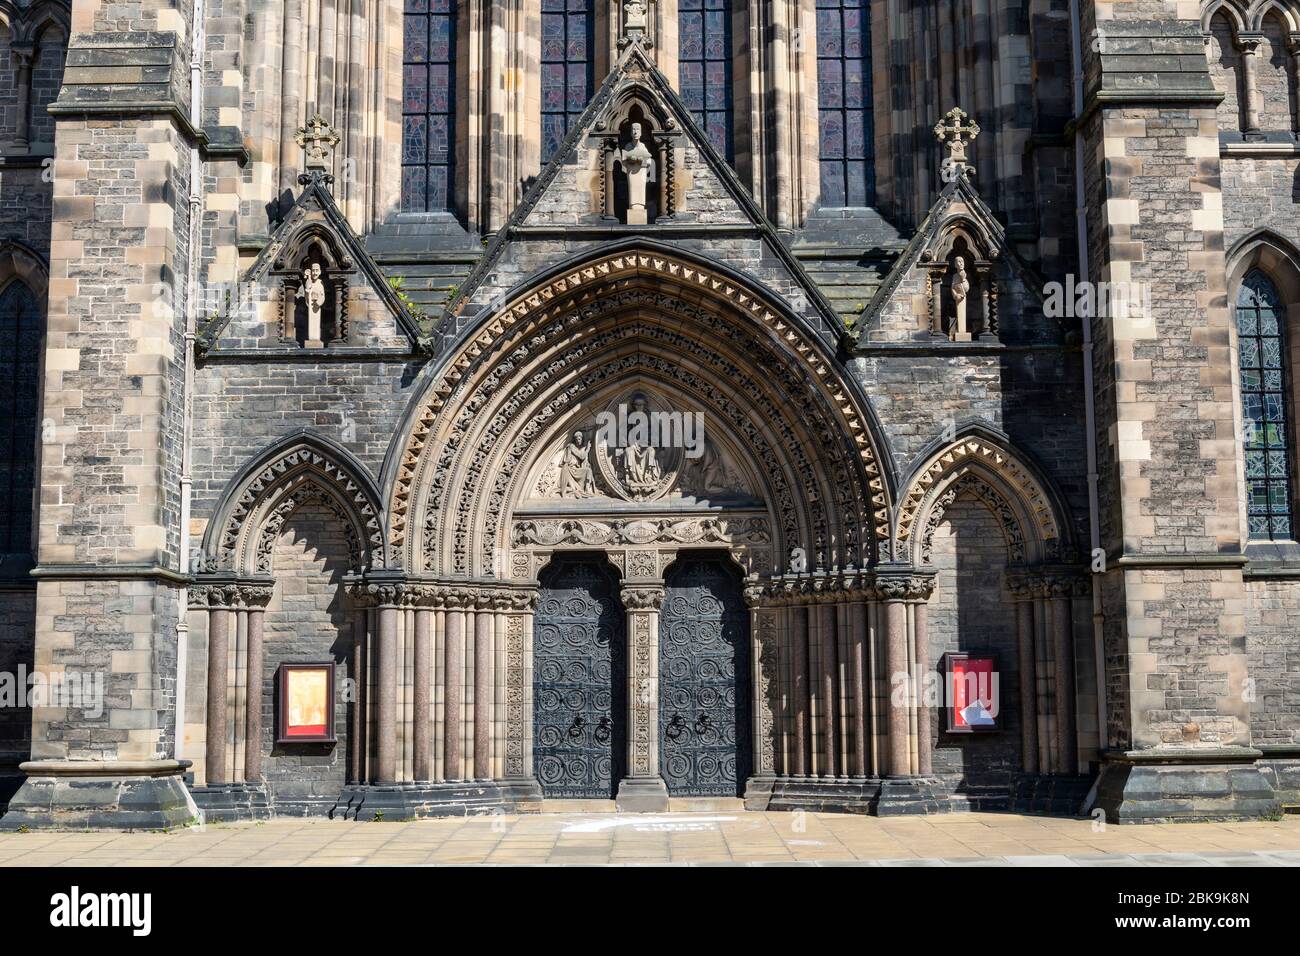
231, 594
903, 585
1249, 42
640, 597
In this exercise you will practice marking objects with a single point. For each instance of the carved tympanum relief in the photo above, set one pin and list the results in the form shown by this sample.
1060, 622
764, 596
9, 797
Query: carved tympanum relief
639, 449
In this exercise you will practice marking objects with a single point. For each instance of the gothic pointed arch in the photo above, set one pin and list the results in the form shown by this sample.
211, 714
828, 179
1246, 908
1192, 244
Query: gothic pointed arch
984, 464
298, 468
646, 316
1274, 254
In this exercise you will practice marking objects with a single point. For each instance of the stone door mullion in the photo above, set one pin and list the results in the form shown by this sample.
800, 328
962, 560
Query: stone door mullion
643, 788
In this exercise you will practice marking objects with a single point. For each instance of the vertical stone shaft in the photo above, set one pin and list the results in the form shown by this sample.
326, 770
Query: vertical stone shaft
453, 693
422, 711
253, 713
483, 672
1028, 682
922, 643
799, 640
218, 650
358, 724
386, 698
896, 668
826, 631
858, 675
1063, 645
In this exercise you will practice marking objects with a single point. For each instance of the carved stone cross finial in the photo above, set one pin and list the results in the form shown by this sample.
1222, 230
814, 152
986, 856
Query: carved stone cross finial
955, 135
317, 138
634, 20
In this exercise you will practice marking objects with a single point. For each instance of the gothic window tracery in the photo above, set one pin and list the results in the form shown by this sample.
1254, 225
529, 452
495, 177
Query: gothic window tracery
20, 349
845, 128
428, 105
567, 68
704, 56
1261, 344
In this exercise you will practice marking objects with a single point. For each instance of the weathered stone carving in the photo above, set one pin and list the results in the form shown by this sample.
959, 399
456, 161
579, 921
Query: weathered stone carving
639, 531
639, 169
575, 479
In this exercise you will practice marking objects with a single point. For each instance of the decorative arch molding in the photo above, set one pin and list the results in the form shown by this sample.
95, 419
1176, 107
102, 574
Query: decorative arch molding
27, 23
1287, 13
586, 324
300, 468
974, 484
1031, 514
20, 261
1269, 252
1231, 10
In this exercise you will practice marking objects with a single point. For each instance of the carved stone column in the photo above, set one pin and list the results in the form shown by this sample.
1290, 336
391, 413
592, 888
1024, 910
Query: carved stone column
1250, 48
387, 597
519, 698
799, 686
424, 600
359, 722
484, 672
1021, 587
255, 597
220, 601
643, 790
1060, 589
765, 661
454, 684
905, 641
828, 661
23, 56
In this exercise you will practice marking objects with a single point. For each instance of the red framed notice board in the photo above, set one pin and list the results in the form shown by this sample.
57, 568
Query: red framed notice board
973, 692
306, 703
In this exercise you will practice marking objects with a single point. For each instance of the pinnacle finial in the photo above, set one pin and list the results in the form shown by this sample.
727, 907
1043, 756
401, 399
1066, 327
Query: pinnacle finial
955, 135
634, 19
317, 138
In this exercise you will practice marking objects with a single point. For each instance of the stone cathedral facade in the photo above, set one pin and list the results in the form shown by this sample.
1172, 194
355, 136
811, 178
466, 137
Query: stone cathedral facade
444, 407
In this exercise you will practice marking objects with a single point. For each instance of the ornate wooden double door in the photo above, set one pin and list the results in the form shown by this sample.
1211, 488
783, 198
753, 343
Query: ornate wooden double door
579, 681
580, 704
704, 705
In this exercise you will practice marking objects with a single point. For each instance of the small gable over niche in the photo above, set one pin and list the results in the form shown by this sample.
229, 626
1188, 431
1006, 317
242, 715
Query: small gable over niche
958, 280
313, 285
635, 157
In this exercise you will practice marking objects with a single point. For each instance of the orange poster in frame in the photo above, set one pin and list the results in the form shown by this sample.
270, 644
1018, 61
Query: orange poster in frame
306, 703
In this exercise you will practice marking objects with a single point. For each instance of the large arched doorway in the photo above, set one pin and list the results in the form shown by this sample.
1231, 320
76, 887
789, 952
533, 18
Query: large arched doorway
579, 681
704, 677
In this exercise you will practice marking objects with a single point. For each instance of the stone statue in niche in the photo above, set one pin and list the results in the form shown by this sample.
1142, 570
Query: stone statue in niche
639, 170
959, 287
576, 479
312, 294
634, 15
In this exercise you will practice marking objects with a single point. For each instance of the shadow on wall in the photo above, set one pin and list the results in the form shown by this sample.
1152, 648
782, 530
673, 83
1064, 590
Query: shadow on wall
971, 610
308, 619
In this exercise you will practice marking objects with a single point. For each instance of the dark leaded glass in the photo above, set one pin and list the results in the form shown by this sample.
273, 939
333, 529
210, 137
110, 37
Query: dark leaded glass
567, 68
844, 103
704, 58
20, 351
1262, 352
428, 104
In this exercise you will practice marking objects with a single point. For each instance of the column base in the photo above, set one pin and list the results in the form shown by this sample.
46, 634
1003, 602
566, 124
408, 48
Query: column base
816, 795
416, 801
641, 795
223, 803
758, 792
1049, 794
1191, 785
1281, 768
911, 796
101, 795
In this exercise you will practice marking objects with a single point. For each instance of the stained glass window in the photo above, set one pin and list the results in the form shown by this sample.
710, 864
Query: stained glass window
428, 104
844, 103
704, 57
1261, 340
567, 74
20, 353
